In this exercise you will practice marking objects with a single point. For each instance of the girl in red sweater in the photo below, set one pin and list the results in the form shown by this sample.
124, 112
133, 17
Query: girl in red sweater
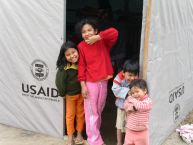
94, 70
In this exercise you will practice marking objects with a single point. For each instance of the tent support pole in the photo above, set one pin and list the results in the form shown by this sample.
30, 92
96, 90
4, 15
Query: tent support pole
146, 39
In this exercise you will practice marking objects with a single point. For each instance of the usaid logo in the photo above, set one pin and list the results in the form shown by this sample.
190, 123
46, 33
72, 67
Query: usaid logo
176, 112
176, 93
39, 70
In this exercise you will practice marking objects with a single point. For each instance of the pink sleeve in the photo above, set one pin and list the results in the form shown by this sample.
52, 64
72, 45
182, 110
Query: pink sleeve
145, 105
109, 36
128, 106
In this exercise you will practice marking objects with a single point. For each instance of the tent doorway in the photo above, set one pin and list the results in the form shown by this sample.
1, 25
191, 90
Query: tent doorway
126, 16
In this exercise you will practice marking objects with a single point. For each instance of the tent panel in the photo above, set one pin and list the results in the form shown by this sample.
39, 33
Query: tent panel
169, 65
30, 39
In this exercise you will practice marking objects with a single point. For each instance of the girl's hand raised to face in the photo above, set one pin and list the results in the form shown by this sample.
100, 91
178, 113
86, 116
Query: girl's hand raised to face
92, 39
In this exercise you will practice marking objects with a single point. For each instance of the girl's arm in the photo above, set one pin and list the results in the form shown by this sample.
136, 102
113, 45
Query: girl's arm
93, 39
84, 89
81, 73
118, 90
145, 105
60, 81
81, 66
109, 36
128, 106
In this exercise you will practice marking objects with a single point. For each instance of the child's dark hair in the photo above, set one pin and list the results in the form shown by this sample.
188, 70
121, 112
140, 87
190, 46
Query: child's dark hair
131, 66
139, 83
61, 57
78, 27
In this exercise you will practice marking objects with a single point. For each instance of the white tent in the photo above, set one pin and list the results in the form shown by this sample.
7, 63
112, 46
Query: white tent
31, 33
167, 63
30, 38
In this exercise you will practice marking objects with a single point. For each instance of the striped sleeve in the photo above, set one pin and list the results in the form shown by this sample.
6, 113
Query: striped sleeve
118, 90
145, 105
128, 106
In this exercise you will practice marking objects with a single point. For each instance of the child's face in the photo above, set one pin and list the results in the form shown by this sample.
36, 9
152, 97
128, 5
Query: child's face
130, 76
71, 55
88, 31
138, 92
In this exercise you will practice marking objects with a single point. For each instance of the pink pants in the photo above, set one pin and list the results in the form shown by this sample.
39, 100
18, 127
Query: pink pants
136, 137
93, 106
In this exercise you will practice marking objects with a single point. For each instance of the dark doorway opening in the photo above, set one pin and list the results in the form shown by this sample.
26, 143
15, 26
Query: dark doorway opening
126, 16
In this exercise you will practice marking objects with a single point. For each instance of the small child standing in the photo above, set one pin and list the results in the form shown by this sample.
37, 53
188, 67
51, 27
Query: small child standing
137, 106
69, 87
120, 89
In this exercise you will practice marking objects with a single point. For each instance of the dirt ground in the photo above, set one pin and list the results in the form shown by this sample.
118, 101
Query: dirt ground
14, 136
174, 138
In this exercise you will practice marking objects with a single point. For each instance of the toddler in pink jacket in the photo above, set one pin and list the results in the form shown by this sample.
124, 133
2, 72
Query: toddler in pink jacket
137, 106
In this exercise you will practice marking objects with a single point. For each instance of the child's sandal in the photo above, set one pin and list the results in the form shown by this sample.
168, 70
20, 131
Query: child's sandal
70, 143
78, 141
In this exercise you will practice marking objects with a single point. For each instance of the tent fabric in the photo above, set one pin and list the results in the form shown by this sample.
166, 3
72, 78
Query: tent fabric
31, 33
30, 38
169, 65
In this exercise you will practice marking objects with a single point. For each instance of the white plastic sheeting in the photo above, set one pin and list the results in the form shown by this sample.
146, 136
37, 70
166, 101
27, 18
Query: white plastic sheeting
169, 65
30, 38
